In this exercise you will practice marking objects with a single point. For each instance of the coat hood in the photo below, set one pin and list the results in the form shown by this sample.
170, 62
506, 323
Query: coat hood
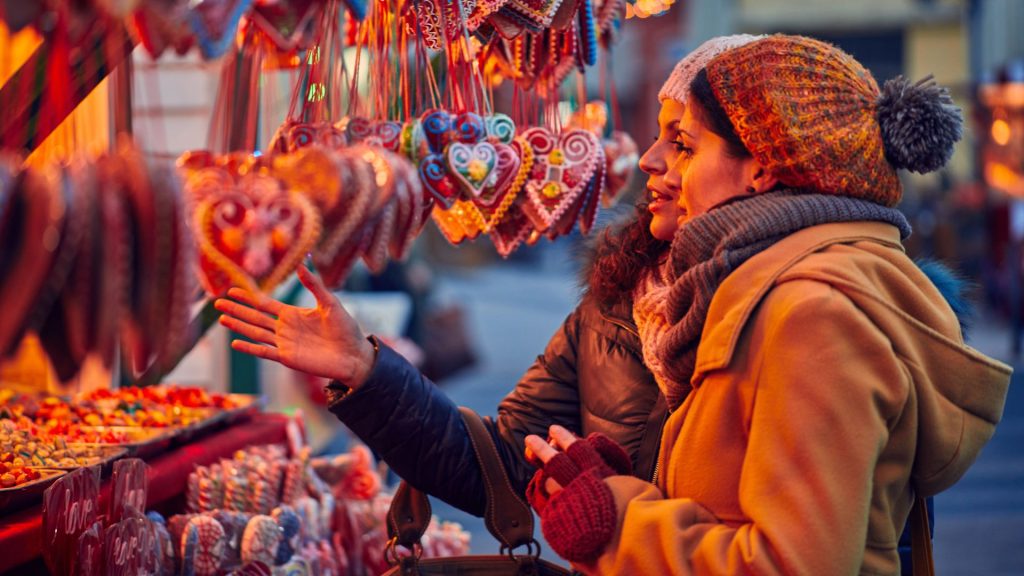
957, 394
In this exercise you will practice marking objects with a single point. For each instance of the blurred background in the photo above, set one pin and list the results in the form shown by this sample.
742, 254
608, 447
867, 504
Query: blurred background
475, 321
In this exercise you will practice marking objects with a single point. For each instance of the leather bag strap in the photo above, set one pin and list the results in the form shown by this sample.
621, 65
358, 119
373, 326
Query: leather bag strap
921, 539
507, 516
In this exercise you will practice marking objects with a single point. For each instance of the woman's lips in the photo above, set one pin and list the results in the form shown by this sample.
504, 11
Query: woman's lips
658, 200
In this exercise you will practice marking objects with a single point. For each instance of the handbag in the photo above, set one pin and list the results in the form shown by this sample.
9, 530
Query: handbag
921, 540
507, 516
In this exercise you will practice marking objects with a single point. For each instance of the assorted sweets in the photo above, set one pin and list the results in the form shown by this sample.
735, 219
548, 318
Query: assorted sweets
23, 444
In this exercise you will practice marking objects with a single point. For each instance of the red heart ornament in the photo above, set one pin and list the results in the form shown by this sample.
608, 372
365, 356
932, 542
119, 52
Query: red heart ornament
511, 231
437, 181
284, 22
253, 235
621, 157
561, 171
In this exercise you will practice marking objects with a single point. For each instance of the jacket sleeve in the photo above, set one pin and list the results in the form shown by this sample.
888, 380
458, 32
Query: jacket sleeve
414, 427
827, 385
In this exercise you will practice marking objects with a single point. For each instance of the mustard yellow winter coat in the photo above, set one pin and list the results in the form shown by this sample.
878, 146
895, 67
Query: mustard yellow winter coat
831, 377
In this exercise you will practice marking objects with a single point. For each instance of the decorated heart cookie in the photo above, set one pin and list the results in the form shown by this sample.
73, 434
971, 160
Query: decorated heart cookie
472, 166
253, 234
437, 182
292, 136
512, 230
621, 157
562, 169
514, 164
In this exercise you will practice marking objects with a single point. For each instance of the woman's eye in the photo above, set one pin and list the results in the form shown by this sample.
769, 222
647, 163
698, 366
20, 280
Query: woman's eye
682, 148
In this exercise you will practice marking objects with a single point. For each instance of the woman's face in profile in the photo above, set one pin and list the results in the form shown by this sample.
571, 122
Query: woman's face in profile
656, 163
704, 173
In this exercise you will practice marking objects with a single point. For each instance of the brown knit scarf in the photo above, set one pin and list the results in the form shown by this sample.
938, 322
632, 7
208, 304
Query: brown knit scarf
671, 304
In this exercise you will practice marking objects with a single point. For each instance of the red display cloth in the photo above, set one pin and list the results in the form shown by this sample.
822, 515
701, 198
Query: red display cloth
21, 532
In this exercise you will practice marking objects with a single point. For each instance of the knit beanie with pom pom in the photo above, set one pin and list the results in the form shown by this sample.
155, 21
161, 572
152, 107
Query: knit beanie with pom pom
815, 117
677, 87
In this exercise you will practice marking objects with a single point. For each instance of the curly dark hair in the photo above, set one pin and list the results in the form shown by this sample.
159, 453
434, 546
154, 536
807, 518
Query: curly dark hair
621, 255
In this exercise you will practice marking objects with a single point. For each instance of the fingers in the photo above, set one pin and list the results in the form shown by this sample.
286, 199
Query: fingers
541, 449
248, 330
562, 437
314, 284
245, 313
257, 350
261, 302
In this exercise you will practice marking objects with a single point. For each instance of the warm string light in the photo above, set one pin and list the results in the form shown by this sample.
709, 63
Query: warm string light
646, 8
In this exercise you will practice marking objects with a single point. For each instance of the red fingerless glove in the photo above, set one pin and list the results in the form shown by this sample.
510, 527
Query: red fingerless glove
579, 521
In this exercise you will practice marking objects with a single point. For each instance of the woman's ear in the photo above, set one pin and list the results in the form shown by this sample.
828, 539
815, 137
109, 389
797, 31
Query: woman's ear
762, 180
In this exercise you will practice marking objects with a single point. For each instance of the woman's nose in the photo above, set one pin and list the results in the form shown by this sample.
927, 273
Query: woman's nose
653, 160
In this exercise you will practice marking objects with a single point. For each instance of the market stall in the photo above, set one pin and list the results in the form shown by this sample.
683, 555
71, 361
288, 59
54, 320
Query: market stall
472, 115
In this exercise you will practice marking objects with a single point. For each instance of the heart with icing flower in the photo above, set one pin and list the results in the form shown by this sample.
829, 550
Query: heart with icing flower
472, 166
253, 234
563, 167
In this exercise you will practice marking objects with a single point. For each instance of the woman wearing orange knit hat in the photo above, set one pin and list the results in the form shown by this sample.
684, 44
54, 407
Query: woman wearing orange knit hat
818, 381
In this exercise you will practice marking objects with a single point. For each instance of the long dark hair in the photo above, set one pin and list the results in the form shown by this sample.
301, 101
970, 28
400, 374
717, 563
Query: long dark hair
621, 255
706, 107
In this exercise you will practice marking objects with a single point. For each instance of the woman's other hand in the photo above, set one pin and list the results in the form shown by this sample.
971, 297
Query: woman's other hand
324, 341
539, 452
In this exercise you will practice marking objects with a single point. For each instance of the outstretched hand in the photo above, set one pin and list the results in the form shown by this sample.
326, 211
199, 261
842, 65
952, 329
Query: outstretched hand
324, 341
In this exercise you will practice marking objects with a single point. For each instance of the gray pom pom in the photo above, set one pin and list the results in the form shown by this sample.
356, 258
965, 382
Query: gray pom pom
920, 124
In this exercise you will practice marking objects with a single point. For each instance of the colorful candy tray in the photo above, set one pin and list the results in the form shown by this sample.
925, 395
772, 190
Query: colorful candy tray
141, 442
29, 493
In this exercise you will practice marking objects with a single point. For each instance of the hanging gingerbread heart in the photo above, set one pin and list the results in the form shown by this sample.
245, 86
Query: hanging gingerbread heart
480, 13
437, 129
511, 231
214, 23
292, 136
411, 212
621, 157
436, 180
284, 23
386, 134
500, 128
162, 24
39, 212
472, 166
468, 127
460, 222
340, 221
514, 160
253, 235
431, 29
358, 129
562, 168
583, 209
316, 172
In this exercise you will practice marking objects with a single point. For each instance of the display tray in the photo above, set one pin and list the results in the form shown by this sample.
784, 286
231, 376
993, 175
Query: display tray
247, 405
104, 457
142, 442
29, 493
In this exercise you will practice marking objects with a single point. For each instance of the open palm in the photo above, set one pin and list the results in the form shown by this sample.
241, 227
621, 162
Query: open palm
324, 341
